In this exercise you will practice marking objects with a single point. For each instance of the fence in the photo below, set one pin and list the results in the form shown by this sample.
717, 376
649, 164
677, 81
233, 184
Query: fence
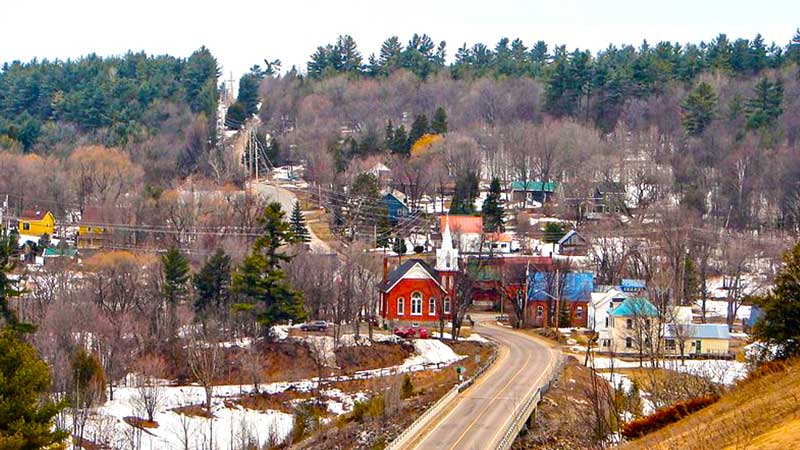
422, 421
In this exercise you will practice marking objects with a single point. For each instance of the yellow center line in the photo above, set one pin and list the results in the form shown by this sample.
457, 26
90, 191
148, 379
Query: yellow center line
505, 386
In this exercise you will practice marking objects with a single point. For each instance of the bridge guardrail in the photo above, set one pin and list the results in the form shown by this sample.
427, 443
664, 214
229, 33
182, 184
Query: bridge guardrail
423, 420
528, 407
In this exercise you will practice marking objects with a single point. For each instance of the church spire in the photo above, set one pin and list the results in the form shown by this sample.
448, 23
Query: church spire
446, 255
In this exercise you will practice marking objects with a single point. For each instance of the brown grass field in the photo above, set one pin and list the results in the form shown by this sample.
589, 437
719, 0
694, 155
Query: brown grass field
762, 412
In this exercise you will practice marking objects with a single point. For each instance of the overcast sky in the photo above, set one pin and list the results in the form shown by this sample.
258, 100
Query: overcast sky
243, 33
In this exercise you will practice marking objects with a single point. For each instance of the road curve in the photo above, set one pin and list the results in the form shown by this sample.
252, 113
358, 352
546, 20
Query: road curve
480, 416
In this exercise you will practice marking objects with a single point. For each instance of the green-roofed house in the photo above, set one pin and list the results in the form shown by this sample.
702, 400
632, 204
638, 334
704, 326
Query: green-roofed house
531, 192
633, 327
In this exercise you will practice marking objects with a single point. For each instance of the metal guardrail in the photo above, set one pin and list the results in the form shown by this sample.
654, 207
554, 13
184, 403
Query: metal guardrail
423, 420
528, 407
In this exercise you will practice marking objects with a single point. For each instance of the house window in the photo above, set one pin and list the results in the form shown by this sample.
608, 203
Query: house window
539, 311
579, 312
670, 343
606, 321
447, 305
629, 323
432, 306
26, 226
416, 304
628, 342
401, 306
647, 323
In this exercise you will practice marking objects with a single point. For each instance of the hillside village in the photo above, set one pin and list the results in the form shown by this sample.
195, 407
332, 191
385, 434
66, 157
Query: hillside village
505, 246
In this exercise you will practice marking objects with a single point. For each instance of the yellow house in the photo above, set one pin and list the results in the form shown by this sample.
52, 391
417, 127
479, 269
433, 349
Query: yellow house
92, 229
708, 339
36, 223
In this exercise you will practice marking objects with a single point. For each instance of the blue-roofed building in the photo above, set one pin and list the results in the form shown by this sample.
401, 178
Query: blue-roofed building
575, 294
632, 286
697, 339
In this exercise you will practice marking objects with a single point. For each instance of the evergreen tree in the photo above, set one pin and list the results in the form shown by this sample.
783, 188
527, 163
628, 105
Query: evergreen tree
27, 419
419, 128
466, 191
8, 287
780, 323
175, 275
248, 91
390, 56
382, 239
553, 231
212, 284
765, 106
298, 227
439, 121
399, 246
260, 282
698, 109
493, 208
400, 142
235, 116
388, 136
175, 272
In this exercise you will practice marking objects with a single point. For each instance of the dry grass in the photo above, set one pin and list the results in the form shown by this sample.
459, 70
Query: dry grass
138, 422
760, 413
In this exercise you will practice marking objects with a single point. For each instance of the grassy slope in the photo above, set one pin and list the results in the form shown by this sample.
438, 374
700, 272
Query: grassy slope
763, 413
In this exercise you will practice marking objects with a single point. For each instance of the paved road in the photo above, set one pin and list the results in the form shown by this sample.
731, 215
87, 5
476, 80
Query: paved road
287, 198
481, 415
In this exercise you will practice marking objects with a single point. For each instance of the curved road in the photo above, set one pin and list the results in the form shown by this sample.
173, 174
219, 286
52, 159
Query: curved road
479, 417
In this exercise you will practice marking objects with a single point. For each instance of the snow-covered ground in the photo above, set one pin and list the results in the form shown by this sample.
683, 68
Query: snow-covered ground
620, 381
717, 370
719, 308
233, 424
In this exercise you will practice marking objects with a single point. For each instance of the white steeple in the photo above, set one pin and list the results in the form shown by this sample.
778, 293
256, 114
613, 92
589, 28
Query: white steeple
446, 255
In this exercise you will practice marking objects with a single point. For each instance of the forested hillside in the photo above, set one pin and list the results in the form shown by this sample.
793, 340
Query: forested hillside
149, 105
711, 126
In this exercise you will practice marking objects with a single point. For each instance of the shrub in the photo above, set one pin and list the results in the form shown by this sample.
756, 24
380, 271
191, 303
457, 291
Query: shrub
665, 416
369, 409
408, 388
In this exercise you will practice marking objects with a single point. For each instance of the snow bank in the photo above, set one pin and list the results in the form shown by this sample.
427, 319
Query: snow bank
430, 352
474, 337
717, 370
230, 424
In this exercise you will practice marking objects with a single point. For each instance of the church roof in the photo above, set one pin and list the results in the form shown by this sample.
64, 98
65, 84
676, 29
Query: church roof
397, 274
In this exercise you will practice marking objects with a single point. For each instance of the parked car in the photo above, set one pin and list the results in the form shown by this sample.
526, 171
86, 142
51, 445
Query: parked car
405, 332
316, 325
412, 331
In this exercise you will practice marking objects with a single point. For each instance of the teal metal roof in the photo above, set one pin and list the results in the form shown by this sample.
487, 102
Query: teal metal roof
535, 186
54, 252
635, 307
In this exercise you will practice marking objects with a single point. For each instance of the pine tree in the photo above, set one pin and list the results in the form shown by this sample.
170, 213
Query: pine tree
26, 418
175, 271
419, 128
248, 91
175, 275
439, 121
492, 210
765, 106
399, 144
298, 228
212, 283
382, 239
399, 246
388, 136
698, 109
260, 281
466, 191
780, 323
8, 287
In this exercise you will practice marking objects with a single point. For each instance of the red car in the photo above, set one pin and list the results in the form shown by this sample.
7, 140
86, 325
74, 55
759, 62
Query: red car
410, 332
405, 332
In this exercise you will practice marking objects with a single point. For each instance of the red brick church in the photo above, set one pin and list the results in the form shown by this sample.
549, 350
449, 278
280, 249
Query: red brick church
417, 292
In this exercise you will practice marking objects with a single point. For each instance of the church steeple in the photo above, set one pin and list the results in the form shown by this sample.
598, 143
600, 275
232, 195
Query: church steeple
446, 255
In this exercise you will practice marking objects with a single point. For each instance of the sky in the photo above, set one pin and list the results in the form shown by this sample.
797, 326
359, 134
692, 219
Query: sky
242, 33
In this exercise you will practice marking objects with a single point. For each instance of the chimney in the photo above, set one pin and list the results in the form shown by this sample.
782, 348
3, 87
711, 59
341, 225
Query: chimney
385, 269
